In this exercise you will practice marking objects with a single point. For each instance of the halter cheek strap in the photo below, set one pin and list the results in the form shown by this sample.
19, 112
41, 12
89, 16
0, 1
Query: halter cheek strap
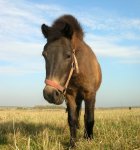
74, 66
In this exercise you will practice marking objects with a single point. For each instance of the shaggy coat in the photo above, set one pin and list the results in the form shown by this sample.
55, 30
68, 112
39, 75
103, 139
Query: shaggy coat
63, 36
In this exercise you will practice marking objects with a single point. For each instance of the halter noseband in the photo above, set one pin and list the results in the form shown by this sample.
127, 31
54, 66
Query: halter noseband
74, 66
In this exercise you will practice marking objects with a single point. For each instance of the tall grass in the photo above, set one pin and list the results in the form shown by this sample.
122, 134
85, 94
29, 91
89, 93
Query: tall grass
115, 129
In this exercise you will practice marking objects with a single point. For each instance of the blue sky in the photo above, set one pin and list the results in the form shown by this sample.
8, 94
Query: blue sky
112, 29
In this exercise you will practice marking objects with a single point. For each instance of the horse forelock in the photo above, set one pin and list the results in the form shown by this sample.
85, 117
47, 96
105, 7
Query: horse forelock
72, 21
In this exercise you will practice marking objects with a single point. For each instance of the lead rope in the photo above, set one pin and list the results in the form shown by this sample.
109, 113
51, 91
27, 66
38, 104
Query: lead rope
73, 67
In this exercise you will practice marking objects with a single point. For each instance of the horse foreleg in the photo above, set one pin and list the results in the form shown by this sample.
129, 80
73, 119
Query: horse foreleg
72, 120
89, 118
78, 110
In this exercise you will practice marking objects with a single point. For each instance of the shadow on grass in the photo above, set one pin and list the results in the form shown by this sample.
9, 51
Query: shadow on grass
26, 129
33, 130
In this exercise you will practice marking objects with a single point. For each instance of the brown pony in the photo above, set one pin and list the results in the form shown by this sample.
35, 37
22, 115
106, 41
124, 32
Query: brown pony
72, 72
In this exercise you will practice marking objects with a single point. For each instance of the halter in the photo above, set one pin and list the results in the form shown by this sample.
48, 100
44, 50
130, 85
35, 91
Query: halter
74, 66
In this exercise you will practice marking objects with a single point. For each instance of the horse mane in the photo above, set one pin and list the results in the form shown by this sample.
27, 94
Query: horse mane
74, 24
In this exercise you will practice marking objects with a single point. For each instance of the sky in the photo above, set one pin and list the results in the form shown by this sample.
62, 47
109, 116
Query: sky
112, 29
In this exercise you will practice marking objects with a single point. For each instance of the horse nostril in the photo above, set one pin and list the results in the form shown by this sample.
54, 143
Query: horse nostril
56, 94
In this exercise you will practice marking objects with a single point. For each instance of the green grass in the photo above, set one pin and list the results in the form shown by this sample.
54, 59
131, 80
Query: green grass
35, 129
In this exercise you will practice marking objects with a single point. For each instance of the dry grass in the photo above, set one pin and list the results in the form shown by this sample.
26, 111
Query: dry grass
116, 129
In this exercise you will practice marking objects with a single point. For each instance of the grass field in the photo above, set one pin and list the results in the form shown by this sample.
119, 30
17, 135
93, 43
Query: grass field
35, 129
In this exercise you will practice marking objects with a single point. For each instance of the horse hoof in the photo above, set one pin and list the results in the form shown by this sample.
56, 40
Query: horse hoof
72, 143
88, 137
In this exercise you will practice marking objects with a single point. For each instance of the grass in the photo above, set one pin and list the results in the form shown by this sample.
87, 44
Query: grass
36, 129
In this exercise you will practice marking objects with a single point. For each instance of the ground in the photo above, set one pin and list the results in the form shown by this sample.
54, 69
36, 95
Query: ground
47, 129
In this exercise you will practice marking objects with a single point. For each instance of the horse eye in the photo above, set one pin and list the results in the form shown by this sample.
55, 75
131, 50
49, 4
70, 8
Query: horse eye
68, 56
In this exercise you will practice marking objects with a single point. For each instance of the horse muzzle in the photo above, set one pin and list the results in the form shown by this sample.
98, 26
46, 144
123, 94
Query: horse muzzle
52, 95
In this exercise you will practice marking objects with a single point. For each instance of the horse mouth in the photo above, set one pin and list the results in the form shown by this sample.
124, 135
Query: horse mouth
59, 102
54, 100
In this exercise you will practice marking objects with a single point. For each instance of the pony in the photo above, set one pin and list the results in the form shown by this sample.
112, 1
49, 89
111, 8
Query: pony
73, 73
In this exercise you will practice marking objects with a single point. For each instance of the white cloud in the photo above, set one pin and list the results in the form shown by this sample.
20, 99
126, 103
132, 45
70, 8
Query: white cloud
20, 36
107, 46
102, 20
23, 19
21, 58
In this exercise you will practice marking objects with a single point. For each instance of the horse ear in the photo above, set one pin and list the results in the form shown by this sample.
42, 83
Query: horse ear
67, 31
45, 30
